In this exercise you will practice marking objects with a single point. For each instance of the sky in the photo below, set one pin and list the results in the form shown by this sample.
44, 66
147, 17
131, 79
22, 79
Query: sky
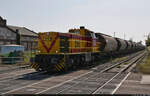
127, 18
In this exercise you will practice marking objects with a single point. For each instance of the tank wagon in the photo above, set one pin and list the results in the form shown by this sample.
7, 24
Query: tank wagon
122, 45
79, 47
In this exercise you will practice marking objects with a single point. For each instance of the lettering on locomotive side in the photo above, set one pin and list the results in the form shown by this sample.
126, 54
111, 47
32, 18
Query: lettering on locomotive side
47, 38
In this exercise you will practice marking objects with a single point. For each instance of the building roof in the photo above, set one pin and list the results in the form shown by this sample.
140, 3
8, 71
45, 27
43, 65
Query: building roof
23, 30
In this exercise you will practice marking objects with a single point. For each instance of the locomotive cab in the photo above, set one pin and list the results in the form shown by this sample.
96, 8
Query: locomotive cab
83, 32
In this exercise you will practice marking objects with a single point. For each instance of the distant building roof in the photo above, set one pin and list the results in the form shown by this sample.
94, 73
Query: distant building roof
23, 30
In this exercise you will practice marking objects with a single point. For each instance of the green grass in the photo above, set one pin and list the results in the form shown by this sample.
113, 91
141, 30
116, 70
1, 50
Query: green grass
148, 48
118, 66
125, 63
144, 67
119, 59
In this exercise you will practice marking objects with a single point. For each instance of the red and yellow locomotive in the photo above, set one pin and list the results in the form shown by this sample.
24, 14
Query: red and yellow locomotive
62, 51
80, 47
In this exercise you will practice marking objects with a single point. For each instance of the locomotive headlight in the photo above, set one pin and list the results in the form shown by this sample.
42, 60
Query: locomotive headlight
56, 51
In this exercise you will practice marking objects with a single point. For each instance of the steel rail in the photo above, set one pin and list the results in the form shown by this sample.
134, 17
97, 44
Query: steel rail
117, 74
112, 66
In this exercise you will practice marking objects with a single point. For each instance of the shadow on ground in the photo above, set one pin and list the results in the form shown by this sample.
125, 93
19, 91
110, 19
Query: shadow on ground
44, 75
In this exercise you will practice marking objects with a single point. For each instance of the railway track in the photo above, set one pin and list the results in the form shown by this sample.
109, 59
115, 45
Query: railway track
19, 71
15, 69
88, 84
80, 82
109, 87
23, 79
109, 65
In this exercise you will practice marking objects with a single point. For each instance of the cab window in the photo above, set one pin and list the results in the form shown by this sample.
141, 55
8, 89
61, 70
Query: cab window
87, 34
93, 35
75, 31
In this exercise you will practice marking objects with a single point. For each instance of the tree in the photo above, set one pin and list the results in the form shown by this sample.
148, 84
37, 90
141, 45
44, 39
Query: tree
148, 42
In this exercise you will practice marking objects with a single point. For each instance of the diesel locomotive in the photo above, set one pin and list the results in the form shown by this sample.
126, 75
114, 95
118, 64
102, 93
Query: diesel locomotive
59, 52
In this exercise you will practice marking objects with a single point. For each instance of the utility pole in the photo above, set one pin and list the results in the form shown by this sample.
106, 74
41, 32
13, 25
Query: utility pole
114, 34
18, 37
124, 36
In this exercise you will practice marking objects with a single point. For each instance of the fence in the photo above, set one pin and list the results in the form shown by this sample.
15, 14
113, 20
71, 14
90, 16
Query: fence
20, 60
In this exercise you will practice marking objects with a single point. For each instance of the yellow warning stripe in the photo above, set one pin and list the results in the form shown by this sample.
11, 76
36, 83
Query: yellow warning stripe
35, 66
57, 68
60, 66
32, 65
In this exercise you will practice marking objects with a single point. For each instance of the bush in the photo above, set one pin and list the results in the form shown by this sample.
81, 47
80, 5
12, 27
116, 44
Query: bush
148, 42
